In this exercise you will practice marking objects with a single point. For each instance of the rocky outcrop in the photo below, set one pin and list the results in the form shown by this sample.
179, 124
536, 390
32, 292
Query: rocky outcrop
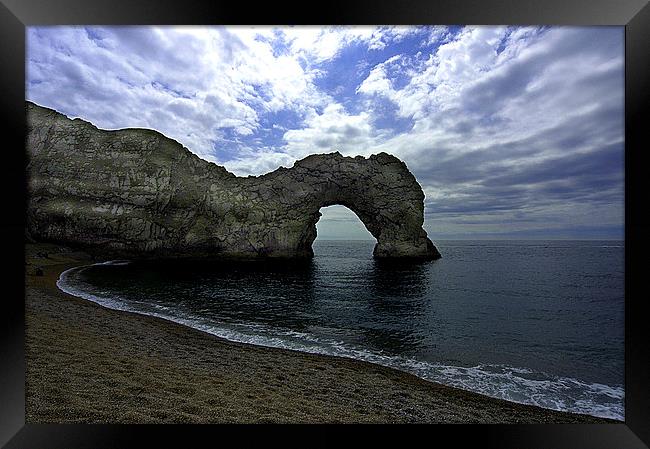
137, 193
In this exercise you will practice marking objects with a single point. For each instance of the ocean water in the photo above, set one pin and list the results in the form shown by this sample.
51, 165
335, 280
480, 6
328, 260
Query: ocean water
536, 322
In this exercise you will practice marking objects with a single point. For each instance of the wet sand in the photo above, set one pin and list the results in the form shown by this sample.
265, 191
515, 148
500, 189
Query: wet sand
89, 364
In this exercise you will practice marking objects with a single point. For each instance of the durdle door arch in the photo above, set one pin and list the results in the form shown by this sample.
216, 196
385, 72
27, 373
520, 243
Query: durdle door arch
137, 193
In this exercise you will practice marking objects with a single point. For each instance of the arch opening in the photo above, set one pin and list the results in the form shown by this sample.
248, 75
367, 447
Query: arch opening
338, 222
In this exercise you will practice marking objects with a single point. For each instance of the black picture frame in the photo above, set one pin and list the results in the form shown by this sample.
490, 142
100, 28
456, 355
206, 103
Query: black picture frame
15, 15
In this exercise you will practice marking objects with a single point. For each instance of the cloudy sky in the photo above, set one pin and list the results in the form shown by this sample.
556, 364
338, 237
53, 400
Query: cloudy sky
512, 132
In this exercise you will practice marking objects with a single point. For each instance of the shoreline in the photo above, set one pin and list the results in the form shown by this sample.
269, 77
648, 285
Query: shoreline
88, 363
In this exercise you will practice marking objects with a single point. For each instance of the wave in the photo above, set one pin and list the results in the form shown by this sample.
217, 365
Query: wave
516, 384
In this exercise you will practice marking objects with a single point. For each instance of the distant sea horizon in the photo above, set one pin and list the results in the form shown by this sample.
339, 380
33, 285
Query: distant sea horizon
477, 238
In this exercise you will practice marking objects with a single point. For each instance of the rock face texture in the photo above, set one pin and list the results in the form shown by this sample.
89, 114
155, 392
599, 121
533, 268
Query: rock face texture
137, 193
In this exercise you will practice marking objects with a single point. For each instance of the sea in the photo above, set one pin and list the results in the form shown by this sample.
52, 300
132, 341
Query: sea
531, 321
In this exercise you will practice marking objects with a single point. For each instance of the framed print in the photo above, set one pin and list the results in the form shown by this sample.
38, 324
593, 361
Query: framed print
386, 213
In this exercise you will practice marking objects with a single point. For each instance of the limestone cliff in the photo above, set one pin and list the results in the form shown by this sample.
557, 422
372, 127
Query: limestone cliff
137, 193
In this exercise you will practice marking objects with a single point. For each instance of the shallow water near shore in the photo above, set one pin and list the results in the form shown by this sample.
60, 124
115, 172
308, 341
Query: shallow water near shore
536, 322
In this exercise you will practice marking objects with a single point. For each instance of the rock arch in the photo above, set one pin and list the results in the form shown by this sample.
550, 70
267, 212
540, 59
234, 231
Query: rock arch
137, 193
380, 190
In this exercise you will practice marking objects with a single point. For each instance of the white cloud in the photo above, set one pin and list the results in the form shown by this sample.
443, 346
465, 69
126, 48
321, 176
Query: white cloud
186, 82
437, 34
487, 102
377, 81
257, 161
333, 130
318, 44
